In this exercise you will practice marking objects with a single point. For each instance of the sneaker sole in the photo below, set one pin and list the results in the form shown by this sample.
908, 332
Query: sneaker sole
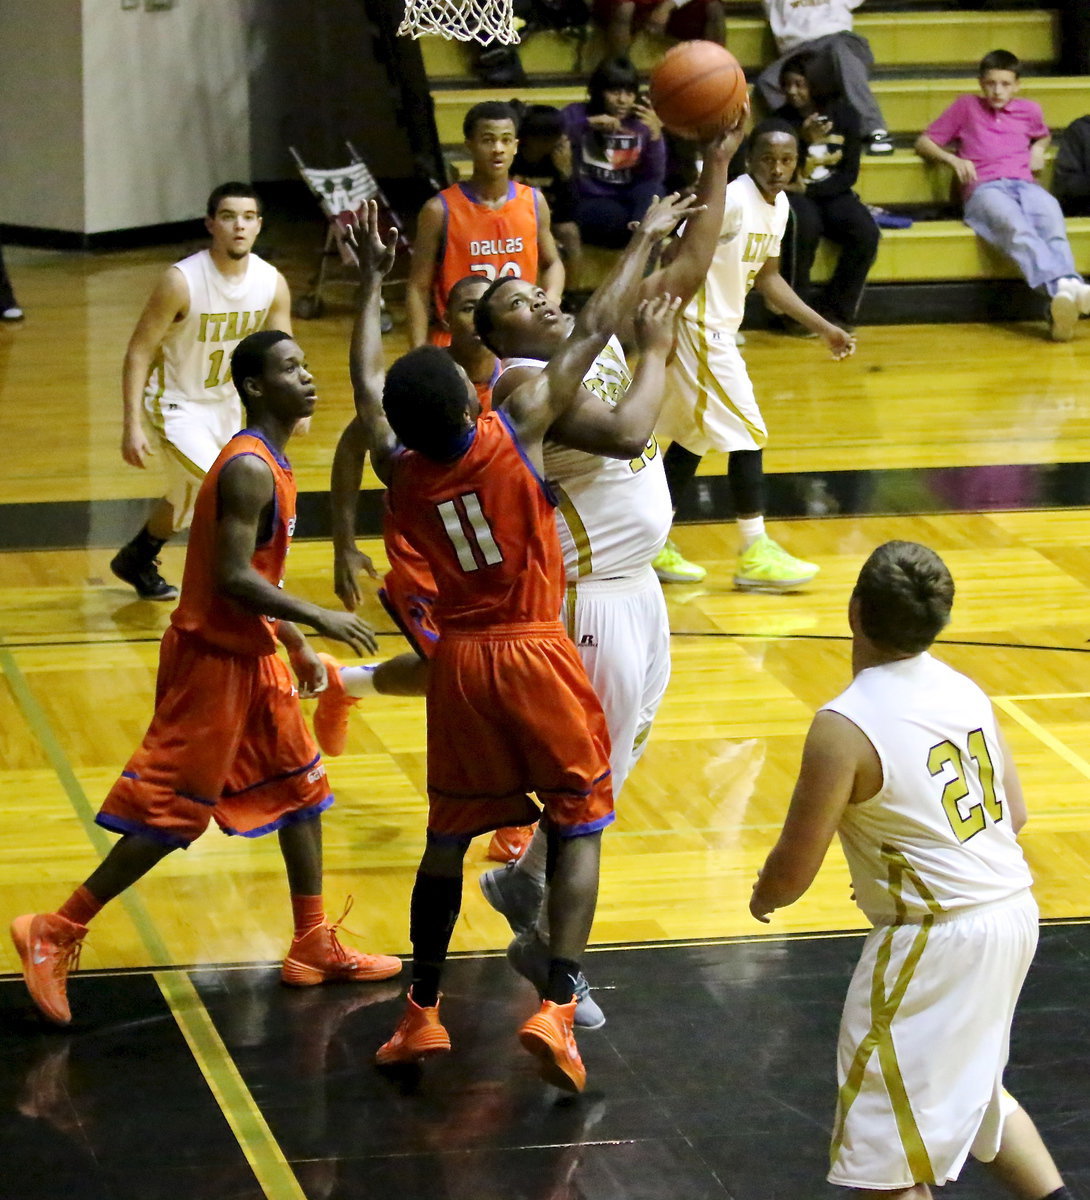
674, 577
589, 1015
765, 585
20, 936
549, 1067
297, 974
170, 594
1065, 316
435, 1041
494, 895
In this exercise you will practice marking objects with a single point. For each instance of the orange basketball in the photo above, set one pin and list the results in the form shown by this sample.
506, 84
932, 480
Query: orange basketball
698, 89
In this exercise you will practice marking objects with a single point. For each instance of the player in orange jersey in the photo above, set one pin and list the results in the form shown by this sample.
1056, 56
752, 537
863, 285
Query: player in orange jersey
510, 708
488, 226
227, 741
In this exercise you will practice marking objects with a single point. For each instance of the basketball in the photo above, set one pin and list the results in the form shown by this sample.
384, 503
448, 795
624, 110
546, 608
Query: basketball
698, 89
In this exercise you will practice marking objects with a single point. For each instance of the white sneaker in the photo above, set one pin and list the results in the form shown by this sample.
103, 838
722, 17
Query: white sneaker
1063, 311
1082, 296
15, 313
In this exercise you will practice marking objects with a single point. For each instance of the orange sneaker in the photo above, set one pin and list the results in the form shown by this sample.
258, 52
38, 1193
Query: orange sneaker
549, 1036
319, 957
509, 844
418, 1035
331, 715
49, 947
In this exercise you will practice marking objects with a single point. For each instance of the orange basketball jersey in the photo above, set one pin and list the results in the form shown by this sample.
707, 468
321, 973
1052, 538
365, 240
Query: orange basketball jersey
202, 609
492, 242
485, 524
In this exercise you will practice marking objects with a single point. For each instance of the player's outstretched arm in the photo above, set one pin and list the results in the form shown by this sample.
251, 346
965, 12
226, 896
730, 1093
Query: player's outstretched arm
344, 487
366, 365
826, 780
772, 285
536, 404
623, 430
166, 304
246, 490
689, 265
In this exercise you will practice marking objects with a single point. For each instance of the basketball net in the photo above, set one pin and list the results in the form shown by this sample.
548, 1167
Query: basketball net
460, 20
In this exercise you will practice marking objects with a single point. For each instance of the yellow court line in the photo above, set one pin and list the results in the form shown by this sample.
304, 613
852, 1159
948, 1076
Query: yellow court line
1047, 696
263, 1153
212, 1057
1049, 739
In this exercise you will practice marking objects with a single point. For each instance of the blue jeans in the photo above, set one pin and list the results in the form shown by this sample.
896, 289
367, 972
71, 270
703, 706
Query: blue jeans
1025, 222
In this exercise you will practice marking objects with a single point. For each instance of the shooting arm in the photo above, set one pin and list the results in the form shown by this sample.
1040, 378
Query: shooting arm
366, 367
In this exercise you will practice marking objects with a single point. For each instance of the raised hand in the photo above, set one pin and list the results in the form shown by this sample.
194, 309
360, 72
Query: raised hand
726, 142
374, 252
663, 216
655, 323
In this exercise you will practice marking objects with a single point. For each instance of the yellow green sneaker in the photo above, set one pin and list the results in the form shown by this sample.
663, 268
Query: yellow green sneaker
767, 567
671, 567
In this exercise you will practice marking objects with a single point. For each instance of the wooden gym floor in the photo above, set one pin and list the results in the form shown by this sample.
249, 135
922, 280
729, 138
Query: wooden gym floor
973, 439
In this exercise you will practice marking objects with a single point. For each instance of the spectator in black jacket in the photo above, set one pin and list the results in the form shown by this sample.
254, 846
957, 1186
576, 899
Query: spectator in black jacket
823, 203
1071, 172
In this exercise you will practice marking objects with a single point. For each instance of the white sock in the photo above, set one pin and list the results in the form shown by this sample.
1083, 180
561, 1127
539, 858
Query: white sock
751, 529
359, 681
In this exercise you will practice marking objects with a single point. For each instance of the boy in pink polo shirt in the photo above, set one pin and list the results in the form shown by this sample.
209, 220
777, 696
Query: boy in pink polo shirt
995, 142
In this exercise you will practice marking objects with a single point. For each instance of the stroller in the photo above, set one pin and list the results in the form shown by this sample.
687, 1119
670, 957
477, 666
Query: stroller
339, 192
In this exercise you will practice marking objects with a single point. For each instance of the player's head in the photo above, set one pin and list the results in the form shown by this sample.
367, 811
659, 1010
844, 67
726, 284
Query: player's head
541, 127
613, 87
772, 156
269, 371
516, 317
461, 306
233, 218
430, 403
902, 598
1000, 75
491, 135
808, 78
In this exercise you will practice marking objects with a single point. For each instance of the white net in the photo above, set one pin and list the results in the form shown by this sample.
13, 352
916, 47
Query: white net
460, 20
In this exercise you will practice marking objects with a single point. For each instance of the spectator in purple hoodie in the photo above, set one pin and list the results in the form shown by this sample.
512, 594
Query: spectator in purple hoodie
618, 155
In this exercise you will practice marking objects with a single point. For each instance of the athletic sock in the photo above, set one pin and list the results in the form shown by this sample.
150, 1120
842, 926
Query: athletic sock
359, 681
751, 530
146, 546
309, 912
563, 972
81, 906
433, 910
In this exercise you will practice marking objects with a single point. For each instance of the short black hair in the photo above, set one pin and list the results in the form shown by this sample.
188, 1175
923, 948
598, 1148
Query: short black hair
999, 60
541, 121
905, 593
819, 71
797, 64
609, 75
465, 281
769, 126
426, 402
248, 360
235, 188
488, 110
483, 317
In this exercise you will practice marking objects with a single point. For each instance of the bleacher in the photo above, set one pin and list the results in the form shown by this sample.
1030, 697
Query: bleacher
924, 58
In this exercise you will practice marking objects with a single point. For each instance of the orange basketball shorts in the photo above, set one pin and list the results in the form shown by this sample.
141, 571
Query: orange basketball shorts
408, 594
511, 712
227, 743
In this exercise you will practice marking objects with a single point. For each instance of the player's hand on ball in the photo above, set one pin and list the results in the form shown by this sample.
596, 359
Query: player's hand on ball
656, 324
726, 143
347, 628
347, 566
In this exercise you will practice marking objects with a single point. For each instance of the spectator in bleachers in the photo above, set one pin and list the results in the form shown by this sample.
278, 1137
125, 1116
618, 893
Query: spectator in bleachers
618, 154
9, 306
1071, 170
680, 19
544, 161
995, 142
825, 26
823, 203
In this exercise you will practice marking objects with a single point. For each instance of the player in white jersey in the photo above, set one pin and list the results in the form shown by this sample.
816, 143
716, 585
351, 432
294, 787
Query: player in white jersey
710, 403
909, 767
178, 370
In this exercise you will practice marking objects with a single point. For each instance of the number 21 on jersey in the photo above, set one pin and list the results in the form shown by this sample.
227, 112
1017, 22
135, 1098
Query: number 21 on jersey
946, 759
469, 532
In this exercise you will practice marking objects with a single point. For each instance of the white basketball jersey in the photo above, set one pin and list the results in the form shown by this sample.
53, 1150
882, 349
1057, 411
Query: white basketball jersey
194, 362
938, 836
613, 515
751, 233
